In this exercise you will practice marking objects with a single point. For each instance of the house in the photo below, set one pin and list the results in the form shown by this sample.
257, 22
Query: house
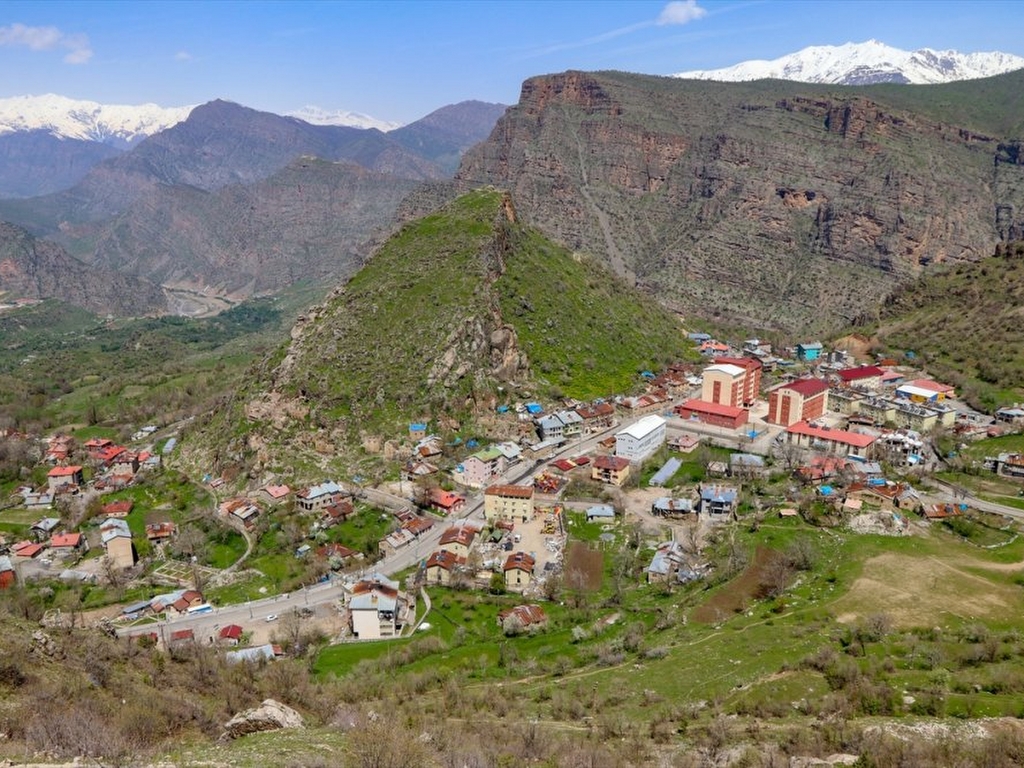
458, 539
567, 424
417, 430
479, 468
8, 576
428, 447
829, 440
747, 465
417, 526
612, 470
157, 532
667, 560
718, 500
117, 541
337, 555
800, 400
58, 449
416, 469
522, 617
106, 455
943, 511
375, 607
319, 496
808, 353
511, 451
446, 502
669, 507
240, 509
230, 634
640, 439
508, 502
45, 528
336, 513
862, 377
181, 637
27, 550
751, 382
64, 478
188, 598
126, 463
941, 391
64, 545
715, 414
601, 513
820, 468
119, 509
596, 417
37, 500
394, 541
442, 567
683, 443
518, 570
275, 494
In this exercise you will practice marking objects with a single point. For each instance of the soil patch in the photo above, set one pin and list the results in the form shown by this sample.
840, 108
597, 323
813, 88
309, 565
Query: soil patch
733, 597
584, 566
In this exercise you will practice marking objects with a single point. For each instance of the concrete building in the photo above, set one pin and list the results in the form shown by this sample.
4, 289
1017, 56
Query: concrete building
715, 414
117, 541
610, 469
800, 400
829, 440
442, 567
641, 439
862, 377
508, 502
724, 384
518, 570
375, 608
478, 469
751, 387
60, 477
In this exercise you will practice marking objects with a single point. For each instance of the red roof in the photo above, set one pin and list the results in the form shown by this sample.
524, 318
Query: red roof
231, 632
26, 549
417, 525
613, 463
515, 491
444, 559
930, 385
807, 387
66, 540
527, 614
277, 491
743, 362
460, 534
564, 464
118, 508
861, 372
182, 634
712, 409
445, 499
520, 561
63, 471
854, 439
334, 549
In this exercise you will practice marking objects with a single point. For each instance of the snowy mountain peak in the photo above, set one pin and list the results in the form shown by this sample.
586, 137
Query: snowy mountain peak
318, 116
867, 63
119, 125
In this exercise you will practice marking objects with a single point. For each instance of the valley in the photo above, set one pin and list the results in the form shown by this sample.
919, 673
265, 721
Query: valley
658, 422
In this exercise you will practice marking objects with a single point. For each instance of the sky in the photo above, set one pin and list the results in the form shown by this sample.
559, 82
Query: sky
398, 61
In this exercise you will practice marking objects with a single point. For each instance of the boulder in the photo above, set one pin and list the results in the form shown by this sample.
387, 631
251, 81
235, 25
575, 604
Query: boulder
268, 716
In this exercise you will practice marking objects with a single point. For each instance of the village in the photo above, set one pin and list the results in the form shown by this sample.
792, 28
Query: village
741, 436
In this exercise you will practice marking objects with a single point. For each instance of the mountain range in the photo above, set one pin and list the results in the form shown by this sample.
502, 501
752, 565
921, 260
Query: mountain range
866, 63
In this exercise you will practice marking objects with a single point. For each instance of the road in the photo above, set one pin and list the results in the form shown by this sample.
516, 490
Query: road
244, 614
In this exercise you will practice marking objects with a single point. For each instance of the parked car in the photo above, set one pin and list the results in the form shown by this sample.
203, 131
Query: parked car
272, 617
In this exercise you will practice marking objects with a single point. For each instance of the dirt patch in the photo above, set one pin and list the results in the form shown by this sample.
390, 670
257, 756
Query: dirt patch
584, 567
924, 591
734, 596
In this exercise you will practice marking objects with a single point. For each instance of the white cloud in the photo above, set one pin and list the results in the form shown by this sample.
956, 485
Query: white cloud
47, 39
183, 56
681, 12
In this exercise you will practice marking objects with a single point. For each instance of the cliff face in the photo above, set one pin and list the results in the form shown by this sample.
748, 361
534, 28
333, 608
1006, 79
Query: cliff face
776, 204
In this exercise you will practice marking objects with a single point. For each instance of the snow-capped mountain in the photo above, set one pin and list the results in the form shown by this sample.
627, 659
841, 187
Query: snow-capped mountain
116, 124
318, 116
866, 63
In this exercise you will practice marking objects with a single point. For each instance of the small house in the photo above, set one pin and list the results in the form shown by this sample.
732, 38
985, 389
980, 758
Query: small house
442, 567
518, 570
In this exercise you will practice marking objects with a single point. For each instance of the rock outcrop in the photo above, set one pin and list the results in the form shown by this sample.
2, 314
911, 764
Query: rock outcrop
269, 716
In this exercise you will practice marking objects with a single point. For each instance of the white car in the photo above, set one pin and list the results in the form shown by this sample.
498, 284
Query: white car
272, 617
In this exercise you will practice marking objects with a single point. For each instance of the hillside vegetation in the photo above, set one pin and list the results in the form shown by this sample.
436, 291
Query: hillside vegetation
963, 323
458, 312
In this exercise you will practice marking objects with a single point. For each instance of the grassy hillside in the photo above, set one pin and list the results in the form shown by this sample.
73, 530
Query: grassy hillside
963, 323
465, 301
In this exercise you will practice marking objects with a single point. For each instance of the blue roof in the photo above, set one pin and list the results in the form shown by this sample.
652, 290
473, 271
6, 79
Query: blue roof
416, 427
502, 409
534, 408
665, 474
826, 490
601, 510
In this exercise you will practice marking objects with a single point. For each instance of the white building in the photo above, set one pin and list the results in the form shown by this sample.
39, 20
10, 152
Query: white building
641, 439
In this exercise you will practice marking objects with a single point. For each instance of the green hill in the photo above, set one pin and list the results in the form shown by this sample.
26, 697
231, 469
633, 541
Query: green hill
458, 312
963, 323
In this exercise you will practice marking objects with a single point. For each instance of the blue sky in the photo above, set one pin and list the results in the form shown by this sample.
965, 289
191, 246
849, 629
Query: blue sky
397, 61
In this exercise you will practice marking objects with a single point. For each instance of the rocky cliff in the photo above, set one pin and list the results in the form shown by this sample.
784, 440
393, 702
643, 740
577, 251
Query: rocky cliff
777, 204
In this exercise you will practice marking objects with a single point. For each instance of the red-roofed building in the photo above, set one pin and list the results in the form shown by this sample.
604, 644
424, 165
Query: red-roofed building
62, 477
519, 570
829, 440
446, 502
337, 513
275, 494
230, 635
182, 636
67, 544
458, 539
120, 509
522, 616
800, 400
335, 551
596, 417
442, 567
418, 525
159, 531
610, 469
26, 549
864, 376
716, 414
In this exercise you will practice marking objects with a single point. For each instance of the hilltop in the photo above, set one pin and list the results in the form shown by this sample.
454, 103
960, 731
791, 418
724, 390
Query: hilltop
458, 312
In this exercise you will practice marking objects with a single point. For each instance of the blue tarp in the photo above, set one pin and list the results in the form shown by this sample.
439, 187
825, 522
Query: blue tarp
826, 490
876, 481
534, 408
502, 409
